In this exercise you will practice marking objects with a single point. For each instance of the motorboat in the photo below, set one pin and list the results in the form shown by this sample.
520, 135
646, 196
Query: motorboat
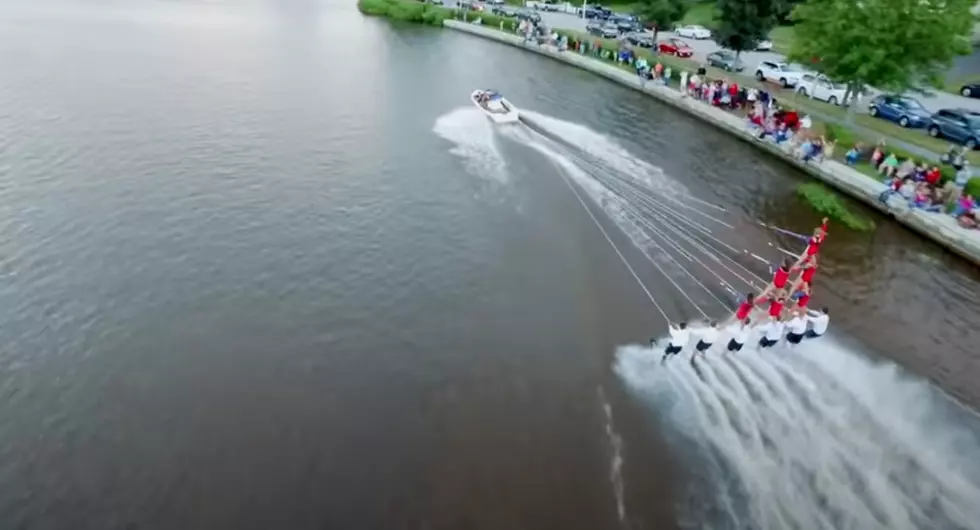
495, 106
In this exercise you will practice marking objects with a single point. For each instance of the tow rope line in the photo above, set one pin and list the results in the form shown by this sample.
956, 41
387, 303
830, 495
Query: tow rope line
615, 248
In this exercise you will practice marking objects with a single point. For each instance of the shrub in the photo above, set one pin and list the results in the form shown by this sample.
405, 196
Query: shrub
973, 187
494, 21
405, 11
827, 203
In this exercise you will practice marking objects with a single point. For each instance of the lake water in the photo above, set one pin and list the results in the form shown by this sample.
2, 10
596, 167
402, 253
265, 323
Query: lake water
265, 266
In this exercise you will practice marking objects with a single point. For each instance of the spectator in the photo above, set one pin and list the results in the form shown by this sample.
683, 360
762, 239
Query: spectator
853, 154
965, 205
906, 169
933, 176
889, 165
968, 220
878, 155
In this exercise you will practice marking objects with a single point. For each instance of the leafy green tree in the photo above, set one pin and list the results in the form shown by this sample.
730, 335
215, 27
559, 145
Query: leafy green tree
661, 13
742, 24
889, 44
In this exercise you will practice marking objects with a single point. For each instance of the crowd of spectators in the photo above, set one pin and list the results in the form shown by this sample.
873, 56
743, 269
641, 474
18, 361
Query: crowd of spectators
920, 185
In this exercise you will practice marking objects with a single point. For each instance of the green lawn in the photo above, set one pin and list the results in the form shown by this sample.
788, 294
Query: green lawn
701, 13
782, 38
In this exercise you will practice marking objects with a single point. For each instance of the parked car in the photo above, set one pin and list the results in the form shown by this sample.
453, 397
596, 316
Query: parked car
676, 47
546, 5
527, 14
504, 11
818, 86
597, 12
610, 31
781, 73
625, 23
640, 39
725, 60
905, 111
594, 28
693, 32
959, 125
763, 46
971, 90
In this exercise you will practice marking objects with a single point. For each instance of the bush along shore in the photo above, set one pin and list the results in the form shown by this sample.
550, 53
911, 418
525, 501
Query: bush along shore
829, 204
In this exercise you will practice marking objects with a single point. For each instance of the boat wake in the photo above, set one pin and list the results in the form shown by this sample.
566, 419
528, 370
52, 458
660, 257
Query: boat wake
473, 138
819, 438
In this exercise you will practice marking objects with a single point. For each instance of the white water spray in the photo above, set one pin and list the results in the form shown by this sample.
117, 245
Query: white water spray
473, 138
616, 460
813, 438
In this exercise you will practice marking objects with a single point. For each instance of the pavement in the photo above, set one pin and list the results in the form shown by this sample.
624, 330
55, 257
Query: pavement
934, 102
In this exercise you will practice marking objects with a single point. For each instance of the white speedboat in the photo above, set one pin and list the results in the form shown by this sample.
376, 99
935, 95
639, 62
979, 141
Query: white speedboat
495, 106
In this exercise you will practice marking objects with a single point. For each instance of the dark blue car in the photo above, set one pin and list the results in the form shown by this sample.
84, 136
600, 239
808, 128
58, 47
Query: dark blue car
970, 90
959, 125
905, 111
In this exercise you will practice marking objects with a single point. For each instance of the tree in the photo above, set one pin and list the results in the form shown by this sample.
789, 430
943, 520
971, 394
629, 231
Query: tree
742, 24
661, 13
893, 45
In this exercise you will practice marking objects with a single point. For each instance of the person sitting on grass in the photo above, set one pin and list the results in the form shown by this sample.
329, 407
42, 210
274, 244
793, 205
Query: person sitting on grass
906, 169
965, 205
889, 166
814, 152
783, 134
922, 200
894, 185
933, 176
968, 220
853, 154
878, 155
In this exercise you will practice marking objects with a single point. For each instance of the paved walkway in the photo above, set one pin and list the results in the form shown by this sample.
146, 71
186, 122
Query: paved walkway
938, 227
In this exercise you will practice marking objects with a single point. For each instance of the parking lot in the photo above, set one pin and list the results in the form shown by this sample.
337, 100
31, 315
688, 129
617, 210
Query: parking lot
702, 48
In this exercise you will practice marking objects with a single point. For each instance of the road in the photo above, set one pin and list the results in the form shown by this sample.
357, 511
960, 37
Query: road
939, 100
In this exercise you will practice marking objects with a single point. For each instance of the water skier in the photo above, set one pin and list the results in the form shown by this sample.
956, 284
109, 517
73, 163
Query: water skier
795, 329
744, 310
819, 320
708, 337
679, 335
772, 332
741, 335
776, 303
779, 279
813, 244
802, 298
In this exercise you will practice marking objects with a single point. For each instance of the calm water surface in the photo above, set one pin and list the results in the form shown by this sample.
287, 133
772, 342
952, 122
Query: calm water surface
264, 268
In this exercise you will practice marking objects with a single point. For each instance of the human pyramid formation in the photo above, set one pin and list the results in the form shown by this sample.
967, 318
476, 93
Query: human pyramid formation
788, 296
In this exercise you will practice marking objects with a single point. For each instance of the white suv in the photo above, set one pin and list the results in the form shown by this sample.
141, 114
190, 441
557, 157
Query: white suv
818, 86
780, 73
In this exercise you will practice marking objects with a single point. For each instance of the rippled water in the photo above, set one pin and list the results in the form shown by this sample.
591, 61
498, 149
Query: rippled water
264, 267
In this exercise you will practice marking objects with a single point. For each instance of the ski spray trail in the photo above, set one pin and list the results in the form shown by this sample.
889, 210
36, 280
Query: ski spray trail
616, 461
811, 438
473, 136
603, 149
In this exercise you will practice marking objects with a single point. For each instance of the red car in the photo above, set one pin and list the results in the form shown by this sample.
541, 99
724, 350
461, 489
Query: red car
675, 47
